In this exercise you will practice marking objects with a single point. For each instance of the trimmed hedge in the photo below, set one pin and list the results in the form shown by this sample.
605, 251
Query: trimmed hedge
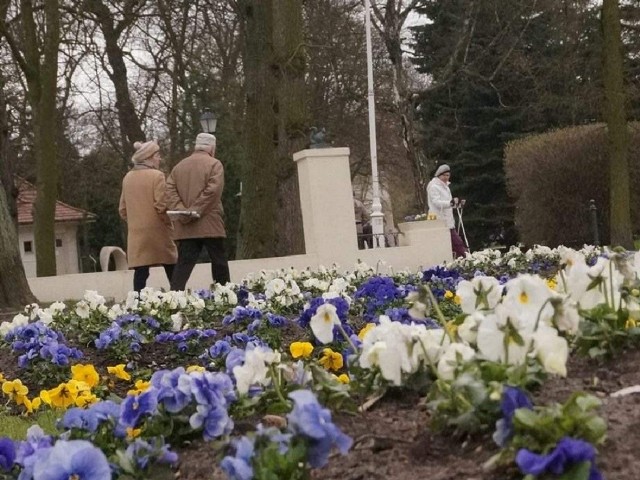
552, 177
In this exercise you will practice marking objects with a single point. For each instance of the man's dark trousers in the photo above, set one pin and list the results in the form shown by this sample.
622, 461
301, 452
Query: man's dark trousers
188, 252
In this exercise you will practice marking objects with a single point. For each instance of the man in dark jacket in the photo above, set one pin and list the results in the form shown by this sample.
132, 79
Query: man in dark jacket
195, 185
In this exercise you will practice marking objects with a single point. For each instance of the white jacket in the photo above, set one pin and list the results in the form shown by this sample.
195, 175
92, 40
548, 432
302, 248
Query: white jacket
439, 200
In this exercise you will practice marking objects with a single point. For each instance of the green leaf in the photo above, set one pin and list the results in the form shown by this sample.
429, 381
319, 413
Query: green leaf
526, 417
579, 471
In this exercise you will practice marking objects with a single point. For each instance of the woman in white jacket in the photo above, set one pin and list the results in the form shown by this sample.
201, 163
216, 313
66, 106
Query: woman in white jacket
441, 205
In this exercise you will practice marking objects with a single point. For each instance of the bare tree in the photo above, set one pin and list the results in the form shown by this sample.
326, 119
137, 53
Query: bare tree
14, 288
617, 129
34, 41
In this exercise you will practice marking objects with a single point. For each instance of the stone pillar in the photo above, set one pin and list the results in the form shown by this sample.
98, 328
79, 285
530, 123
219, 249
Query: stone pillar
326, 199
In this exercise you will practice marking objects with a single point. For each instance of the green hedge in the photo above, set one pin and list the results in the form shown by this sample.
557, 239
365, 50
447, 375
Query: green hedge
553, 176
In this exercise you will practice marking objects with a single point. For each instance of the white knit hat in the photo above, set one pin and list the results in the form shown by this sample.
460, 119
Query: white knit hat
144, 150
206, 139
444, 168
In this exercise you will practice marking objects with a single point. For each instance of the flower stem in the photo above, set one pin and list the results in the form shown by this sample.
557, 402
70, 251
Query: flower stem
344, 334
276, 384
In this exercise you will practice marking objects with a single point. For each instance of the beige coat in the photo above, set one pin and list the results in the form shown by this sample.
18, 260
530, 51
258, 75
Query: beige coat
143, 205
196, 184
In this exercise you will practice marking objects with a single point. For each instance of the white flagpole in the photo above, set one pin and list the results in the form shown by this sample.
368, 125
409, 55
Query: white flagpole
377, 226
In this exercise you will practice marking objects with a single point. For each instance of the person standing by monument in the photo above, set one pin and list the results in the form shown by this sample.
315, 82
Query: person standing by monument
143, 205
362, 222
195, 185
441, 205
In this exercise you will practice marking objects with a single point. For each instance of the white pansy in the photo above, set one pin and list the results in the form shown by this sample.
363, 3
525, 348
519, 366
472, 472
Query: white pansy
323, 321
381, 355
492, 331
551, 350
339, 285
274, 287
82, 309
429, 346
479, 293
176, 322
528, 296
57, 307
395, 348
454, 355
45, 316
20, 320
255, 370
468, 329
93, 299
132, 301
115, 311
566, 317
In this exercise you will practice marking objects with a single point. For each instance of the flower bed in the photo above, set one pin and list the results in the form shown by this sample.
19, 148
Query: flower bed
293, 371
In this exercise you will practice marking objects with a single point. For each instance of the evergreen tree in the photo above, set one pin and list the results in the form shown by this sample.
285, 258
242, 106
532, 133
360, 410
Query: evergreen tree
500, 70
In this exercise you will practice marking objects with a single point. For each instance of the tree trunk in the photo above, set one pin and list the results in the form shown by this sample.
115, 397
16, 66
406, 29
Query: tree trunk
292, 121
259, 189
7, 159
617, 129
14, 288
42, 95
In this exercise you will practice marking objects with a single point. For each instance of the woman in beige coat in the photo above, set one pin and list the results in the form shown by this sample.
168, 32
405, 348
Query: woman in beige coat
143, 206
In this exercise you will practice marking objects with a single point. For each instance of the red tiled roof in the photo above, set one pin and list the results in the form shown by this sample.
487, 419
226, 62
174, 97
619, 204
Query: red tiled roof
27, 198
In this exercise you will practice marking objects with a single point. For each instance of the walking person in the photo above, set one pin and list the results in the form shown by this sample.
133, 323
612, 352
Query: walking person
362, 220
143, 205
195, 184
441, 204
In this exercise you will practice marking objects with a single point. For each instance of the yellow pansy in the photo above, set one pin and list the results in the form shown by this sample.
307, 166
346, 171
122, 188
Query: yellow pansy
79, 385
64, 395
449, 295
366, 329
86, 374
331, 360
457, 300
301, 349
14, 388
195, 368
133, 432
85, 399
45, 397
119, 371
140, 386
31, 405
343, 378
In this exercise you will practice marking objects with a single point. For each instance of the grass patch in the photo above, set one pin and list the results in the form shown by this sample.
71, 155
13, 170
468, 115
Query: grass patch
16, 427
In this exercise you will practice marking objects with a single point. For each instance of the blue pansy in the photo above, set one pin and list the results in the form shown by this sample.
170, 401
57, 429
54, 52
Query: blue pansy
238, 467
309, 419
7, 453
512, 399
568, 452
135, 407
77, 459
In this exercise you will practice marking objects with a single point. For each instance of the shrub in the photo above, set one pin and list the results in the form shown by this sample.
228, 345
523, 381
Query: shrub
553, 176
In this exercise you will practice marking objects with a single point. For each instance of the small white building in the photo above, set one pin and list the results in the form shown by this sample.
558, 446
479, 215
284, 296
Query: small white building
67, 220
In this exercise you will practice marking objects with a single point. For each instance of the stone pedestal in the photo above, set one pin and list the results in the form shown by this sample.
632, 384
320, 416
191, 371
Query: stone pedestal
326, 199
422, 232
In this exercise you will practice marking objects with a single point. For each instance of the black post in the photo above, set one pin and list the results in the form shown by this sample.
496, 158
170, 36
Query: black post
593, 214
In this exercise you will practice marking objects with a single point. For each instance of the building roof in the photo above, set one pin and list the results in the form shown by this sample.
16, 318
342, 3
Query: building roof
26, 201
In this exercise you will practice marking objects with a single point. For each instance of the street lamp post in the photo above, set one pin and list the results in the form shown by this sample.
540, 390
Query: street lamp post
377, 225
208, 121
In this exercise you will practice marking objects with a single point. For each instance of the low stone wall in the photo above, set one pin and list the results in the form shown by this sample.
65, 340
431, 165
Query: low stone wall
117, 284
